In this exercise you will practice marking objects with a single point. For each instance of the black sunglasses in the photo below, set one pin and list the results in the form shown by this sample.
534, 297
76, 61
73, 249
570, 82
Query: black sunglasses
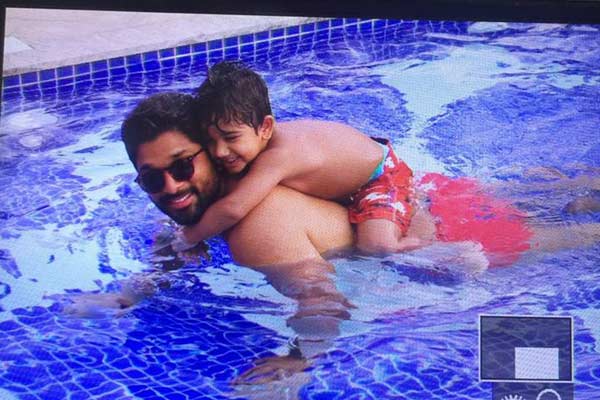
153, 180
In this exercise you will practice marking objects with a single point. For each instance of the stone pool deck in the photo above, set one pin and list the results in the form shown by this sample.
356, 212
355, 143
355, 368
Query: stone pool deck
38, 39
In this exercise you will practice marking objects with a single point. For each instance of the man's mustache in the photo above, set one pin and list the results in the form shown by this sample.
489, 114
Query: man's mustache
167, 198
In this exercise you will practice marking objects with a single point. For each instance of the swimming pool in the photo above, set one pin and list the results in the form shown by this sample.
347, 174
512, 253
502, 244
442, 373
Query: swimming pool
489, 100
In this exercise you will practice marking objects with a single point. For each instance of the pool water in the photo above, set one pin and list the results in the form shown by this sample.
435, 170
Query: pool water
494, 101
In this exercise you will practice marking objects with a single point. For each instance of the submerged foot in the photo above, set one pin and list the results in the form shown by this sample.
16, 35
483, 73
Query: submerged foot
464, 259
544, 173
587, 204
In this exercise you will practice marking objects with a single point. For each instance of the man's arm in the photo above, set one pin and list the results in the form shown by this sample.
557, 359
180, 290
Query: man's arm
287, 246
321, 309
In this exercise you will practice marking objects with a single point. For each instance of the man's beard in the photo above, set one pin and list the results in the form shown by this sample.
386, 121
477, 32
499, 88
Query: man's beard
192, 214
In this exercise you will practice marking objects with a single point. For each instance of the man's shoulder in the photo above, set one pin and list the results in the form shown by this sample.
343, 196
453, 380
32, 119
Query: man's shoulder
307, 126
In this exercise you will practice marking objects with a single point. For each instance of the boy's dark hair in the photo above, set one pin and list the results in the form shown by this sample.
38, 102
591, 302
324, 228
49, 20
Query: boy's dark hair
157, 114
233, 93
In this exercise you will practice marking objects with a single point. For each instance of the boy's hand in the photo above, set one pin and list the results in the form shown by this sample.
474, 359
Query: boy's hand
181, 242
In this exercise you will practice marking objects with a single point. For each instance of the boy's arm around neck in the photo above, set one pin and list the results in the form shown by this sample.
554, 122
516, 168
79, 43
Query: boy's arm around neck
266, 172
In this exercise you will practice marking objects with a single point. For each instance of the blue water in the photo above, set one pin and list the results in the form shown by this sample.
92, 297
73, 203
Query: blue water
493, 101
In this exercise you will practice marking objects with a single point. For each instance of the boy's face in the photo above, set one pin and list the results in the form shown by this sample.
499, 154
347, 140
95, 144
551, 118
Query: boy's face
234, 145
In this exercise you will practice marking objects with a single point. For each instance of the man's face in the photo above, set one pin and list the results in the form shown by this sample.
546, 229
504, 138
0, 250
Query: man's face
235, 145
183, 201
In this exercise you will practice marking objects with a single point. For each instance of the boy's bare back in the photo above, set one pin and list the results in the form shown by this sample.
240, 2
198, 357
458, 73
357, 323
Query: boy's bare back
335, 159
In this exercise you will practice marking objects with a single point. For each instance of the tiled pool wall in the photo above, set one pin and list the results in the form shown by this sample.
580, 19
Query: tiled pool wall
242, 46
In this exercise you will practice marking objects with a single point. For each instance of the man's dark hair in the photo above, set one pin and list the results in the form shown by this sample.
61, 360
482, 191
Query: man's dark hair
157, 114
233, 93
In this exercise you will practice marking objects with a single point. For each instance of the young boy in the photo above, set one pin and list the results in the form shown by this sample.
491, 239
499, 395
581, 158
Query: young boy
323, 159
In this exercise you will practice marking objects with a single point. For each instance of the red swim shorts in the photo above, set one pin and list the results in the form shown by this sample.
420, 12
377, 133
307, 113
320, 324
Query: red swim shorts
387, 196
464, 212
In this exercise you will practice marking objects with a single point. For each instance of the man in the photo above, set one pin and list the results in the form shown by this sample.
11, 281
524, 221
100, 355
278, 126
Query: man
284, 236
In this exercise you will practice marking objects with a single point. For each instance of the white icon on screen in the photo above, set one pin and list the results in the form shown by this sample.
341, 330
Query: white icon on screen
537, 363
548, 391
512, 397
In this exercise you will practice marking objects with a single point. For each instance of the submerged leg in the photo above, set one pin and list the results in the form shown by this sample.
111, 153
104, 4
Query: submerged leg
321, 309
553, 238
380, 236
586, 204
583, 181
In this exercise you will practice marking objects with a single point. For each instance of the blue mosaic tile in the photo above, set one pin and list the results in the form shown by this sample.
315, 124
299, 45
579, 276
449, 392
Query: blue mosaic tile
232, 52
166, 63
183, 60
118, 71
99, 65
116, 62
200, 58
150, 56
82, 69
260, 36
322, 36
63, 72
350, 21
261, 57
215, 56
307, 38
337, 22
12, 92
10, 326
30, 91
53, 392
186, 49
277, 33
83, 77
29, 77
48, 84
249, 38
365, 27
135, 68
292, 30
379, 23
247, 48
336, 33
292, 40
166, 53
351, 28
277, 43
309, 27
321, 25
231, 41
133, 59
11, 81
305, 46
199, 48
215, 44
151, 65
261, 46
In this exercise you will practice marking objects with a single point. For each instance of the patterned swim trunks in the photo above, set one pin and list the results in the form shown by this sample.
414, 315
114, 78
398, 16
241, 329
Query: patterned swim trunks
387, 196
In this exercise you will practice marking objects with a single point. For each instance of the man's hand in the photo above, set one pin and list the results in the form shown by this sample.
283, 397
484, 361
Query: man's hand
98, 305
271, 369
